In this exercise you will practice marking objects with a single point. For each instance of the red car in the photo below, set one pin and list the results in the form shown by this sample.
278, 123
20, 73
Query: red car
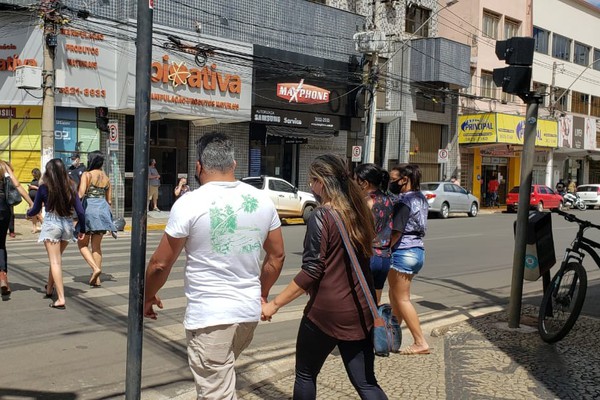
542, 197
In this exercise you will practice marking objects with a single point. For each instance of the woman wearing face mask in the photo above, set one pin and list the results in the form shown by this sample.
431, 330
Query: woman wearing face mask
408, 252
371, 179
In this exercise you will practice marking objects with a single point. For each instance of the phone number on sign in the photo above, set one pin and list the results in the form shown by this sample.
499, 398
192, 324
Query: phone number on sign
83, 91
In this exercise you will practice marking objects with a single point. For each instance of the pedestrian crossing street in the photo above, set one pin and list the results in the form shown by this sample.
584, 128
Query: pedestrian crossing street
31, 258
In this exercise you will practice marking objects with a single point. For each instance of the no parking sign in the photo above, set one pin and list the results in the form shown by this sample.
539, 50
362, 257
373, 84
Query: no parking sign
113, 135
356, 153
442, 156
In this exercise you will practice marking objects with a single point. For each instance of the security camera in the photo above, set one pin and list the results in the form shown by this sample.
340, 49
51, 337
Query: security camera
198, 27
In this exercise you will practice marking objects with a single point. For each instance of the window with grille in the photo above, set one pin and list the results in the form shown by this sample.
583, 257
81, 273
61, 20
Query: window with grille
595, 111
488, 88
541, 37
581, 55
511, 28
490, 25
580, 102
561, 47
417, 20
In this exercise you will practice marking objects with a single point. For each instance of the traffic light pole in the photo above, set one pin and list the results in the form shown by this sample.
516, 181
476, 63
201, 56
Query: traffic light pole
533, 101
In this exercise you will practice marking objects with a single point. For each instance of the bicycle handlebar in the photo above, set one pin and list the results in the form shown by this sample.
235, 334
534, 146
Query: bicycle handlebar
572, 218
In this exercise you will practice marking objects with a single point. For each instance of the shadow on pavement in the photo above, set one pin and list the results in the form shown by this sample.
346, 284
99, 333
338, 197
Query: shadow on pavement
36, 395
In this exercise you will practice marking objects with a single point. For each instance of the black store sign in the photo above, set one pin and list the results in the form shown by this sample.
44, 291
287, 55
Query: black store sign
578, 132
301, 91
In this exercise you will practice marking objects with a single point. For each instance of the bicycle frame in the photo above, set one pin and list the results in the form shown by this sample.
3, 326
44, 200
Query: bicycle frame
580, 244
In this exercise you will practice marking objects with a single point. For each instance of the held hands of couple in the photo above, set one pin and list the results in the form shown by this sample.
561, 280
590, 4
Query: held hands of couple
268, 309
149, 307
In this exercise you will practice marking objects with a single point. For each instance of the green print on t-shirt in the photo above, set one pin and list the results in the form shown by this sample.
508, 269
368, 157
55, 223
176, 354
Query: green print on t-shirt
225, 234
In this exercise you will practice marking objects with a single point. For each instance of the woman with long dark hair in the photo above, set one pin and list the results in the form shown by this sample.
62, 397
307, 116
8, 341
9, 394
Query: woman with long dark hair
6, 172
408, 250
373, 181
58, 195
337, 313
96, 192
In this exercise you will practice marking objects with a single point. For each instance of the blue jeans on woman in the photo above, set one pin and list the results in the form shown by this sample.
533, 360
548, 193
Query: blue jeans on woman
312, 348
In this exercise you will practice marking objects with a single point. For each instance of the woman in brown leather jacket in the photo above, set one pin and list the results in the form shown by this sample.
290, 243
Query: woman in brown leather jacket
337, 313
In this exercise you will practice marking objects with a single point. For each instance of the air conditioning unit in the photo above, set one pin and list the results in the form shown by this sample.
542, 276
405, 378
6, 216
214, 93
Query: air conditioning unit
28, 77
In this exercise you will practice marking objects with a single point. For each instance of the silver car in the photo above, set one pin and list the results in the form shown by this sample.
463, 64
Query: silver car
445, 198
590, 194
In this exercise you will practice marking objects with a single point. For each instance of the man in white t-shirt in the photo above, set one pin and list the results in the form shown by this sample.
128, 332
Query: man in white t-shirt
223, 226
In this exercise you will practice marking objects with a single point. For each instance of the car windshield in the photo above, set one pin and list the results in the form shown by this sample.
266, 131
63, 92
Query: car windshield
429, 186
587, 189
256, 182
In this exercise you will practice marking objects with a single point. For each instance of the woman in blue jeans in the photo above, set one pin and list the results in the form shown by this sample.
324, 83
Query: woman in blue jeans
408, 252
337, 313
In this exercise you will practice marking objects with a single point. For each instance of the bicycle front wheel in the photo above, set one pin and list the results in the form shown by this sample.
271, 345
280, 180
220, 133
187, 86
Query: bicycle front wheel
562, 302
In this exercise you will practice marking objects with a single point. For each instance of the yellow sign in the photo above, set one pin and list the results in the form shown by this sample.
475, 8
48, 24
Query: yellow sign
477, 128
503, 128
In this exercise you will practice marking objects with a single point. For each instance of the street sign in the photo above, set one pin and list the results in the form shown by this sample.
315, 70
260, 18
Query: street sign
113, 135
442, 156
356, 153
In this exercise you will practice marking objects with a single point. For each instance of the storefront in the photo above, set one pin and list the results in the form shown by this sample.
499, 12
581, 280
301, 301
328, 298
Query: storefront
302, 106
491, 146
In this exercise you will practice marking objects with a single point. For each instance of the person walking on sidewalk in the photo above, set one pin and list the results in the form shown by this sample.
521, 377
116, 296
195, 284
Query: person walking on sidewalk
153, 185
96, 192
6, 172
337, 313
371, 179
222, 225
408, 251
58, 195
33, 188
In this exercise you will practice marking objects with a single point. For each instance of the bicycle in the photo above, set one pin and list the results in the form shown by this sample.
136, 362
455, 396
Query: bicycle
563, 298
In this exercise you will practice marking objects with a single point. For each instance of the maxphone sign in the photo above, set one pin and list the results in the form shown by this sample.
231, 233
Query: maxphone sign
301, 91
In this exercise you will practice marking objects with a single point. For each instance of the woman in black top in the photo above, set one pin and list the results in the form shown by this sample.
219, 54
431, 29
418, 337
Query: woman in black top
6, 172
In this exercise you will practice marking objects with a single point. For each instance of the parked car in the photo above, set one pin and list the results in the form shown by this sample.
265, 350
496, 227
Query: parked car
289, 201
445, 198
590, 194
541, 197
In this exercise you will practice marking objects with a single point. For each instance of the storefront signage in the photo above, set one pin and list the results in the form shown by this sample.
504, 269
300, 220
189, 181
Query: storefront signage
302, 93
295, 119
290, 140
578, 131
503, 128
8, 112
11, 62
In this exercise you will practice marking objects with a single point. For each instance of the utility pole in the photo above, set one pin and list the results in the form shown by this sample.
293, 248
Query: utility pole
139, 215
552, 94
49, 47
371, 120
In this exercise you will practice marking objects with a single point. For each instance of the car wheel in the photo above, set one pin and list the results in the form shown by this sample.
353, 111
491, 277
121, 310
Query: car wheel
473, 211
444, 211
540, 207
308, 210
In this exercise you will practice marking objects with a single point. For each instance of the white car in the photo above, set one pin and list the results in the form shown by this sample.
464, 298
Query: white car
590, 194
289, 201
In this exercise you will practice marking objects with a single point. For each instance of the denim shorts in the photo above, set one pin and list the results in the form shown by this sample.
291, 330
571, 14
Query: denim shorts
56, 228
408, 261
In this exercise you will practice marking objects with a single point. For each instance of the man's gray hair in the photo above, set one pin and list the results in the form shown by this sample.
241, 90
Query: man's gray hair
215, 152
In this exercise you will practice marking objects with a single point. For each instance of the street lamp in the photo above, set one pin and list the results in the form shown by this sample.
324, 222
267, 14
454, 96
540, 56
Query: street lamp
369, 153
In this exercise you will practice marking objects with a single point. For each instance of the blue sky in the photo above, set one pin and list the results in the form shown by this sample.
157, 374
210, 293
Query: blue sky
594, 2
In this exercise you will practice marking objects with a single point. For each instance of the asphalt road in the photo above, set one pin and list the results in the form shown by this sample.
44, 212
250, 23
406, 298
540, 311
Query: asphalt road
80, 352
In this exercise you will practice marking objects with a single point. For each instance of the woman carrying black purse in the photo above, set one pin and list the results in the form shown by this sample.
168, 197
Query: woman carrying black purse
6, 173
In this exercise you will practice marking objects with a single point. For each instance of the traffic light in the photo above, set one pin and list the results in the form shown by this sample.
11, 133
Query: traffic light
517, 52
102, 118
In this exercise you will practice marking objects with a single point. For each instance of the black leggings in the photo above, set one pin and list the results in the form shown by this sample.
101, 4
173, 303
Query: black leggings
5, 216
312, 348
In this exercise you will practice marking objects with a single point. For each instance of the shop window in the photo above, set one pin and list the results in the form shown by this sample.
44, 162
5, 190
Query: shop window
417, 20
580, 103
490, 25
541, 37
561, 47
581, 55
